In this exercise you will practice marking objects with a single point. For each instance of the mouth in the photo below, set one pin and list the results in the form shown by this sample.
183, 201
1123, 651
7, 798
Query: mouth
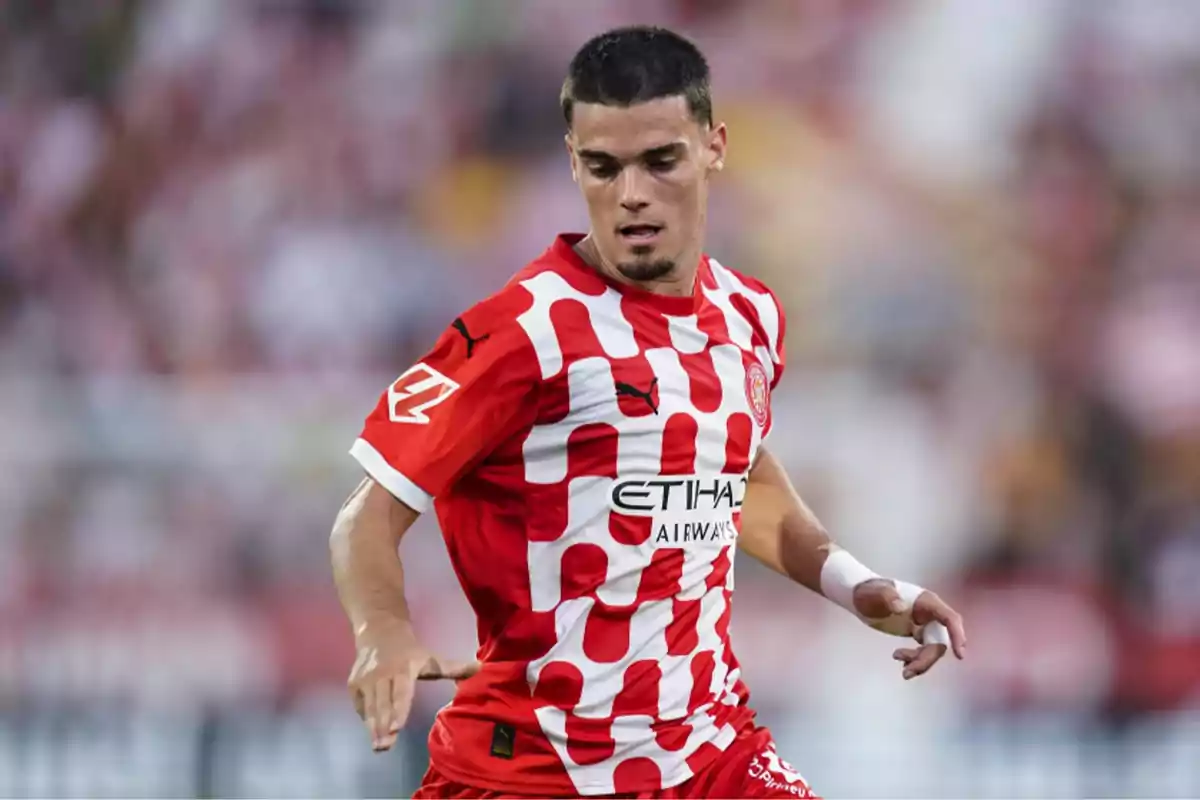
639, 233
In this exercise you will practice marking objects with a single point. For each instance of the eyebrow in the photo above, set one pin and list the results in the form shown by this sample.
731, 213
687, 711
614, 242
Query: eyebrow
672, 149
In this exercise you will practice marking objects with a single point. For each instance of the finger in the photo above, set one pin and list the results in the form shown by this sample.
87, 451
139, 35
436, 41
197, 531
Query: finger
930, 607
437, 669
354, 686
367, 694
878, 598
927, 656
381, 731
466, 670
402, 698
933, 633
905, 654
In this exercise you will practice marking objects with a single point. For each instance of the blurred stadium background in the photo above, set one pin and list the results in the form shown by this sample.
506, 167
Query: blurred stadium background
225, 226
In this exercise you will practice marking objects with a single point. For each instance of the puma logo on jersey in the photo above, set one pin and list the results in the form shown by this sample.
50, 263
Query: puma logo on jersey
629, 390
461, 327
416, 391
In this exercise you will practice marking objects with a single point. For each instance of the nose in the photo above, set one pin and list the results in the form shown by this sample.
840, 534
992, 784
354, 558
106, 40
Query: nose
634, 192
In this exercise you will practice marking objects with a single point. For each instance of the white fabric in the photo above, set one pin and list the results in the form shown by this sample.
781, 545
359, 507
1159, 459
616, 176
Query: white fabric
390, 478
839, 575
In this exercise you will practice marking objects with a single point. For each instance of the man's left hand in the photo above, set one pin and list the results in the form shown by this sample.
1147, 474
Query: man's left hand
881, 605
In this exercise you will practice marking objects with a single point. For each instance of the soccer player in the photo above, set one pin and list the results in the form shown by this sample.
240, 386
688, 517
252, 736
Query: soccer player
592, 439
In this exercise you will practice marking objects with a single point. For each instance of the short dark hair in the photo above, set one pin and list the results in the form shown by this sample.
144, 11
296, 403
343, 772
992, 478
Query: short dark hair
636, 64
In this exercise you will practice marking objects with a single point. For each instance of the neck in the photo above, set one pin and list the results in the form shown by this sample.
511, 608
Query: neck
681, 282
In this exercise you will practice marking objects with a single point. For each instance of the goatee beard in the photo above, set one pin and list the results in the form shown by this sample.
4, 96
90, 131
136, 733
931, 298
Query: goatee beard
643, 271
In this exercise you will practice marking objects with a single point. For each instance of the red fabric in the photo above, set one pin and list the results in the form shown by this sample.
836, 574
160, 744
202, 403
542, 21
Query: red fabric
495, 398
746, 769
587, 444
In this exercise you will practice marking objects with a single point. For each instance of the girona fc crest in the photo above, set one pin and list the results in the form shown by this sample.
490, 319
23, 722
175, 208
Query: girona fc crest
417, 391
758, 393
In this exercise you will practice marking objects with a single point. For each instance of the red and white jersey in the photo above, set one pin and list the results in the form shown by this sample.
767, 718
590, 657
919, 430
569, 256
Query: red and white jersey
586, 445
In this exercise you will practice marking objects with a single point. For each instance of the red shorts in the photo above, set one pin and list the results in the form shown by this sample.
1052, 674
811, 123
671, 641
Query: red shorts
749, 768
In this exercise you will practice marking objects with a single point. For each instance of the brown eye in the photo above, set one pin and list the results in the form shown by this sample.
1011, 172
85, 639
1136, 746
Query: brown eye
662, 164
603, 171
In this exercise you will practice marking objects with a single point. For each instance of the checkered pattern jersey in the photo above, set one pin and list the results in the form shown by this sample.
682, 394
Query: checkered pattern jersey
585, 445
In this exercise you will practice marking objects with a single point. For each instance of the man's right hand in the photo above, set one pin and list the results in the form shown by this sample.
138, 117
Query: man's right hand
390, 661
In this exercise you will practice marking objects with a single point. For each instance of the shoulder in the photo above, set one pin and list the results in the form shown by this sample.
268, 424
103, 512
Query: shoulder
505, 310
511, 318
487, 336
724, 277
498, 313
752, 298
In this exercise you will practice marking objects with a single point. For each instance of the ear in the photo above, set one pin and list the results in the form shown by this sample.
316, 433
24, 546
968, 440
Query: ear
571, 155
718, 141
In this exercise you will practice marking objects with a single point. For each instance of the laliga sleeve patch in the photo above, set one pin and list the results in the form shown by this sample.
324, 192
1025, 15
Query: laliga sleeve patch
416, 391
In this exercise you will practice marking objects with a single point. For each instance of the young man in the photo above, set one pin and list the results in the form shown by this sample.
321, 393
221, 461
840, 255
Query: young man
593, 436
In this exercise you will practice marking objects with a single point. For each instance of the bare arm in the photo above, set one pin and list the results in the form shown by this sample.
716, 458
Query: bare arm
476, 388
778, 529
364, 551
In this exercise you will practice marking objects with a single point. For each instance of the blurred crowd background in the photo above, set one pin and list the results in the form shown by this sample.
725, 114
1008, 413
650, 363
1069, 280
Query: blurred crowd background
226, 225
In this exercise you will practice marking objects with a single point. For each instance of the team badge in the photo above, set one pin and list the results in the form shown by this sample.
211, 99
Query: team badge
758, 393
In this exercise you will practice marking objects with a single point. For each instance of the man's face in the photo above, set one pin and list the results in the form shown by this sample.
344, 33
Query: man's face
644, 173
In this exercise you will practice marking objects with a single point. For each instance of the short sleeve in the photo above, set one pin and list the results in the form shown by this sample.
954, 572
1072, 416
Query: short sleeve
475, 389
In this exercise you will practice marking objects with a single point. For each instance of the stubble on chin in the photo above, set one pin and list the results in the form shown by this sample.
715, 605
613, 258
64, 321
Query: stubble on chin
643, 271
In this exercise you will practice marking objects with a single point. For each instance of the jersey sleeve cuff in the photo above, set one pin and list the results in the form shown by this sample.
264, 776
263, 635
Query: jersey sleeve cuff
390, 478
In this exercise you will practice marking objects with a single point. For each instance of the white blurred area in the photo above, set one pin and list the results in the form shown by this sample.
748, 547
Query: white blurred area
225, 226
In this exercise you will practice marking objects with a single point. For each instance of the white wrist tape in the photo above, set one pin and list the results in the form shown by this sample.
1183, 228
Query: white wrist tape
909, 592
839, 575
842, 572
